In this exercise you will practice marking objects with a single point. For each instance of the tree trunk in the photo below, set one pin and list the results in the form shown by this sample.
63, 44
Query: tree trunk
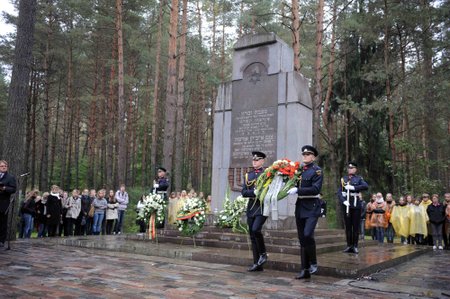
296, 34
34, 101
55, 132
317, 100
171, 92
179, 139
110, 168
121, 122
389, 97
14, 137
155, 124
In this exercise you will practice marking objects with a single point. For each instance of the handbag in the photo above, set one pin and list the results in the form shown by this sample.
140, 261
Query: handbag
91, 211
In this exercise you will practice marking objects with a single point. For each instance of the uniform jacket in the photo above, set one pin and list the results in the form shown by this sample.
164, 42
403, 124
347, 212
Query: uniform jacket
9, 181
254, 207
163, 184
359, 184
309, 188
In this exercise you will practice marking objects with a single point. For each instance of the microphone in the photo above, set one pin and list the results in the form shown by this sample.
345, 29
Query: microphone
24, 174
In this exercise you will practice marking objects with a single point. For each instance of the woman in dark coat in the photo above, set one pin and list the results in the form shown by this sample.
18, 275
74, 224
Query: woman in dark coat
54, 211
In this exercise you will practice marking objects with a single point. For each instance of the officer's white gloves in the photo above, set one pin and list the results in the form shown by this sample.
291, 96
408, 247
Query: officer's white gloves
256, 192
155, 185
349, 187
293, 191
346, 203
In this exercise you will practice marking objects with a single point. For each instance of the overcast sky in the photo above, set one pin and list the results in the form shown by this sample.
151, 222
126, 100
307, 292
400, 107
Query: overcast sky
5, 5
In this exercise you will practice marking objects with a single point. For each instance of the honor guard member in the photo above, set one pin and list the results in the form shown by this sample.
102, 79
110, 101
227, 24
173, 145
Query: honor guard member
308, 210
255, 218
160, 186
348, 193
161, 183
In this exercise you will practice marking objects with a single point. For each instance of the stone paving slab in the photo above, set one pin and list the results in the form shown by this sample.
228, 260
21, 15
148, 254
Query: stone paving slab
44, 269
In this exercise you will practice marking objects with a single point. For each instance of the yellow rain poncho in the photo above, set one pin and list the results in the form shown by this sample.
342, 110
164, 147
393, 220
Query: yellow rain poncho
400, 220
418, 219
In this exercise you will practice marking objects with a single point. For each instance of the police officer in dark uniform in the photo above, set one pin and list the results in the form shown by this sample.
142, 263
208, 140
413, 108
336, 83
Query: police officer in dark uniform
348, 195
308, 210
255, 218
161, 183
160, 186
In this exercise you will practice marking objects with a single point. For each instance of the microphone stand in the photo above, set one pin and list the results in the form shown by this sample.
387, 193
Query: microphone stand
11, 207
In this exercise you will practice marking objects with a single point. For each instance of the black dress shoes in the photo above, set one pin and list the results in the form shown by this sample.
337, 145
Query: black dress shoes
255, 268
304, 274
355, 250
313, 269
349, 249
262, 259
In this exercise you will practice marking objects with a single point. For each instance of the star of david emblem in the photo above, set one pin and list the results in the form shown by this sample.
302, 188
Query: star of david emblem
255, 76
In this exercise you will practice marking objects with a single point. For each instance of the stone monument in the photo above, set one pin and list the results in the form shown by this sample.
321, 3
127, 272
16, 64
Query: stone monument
266, 107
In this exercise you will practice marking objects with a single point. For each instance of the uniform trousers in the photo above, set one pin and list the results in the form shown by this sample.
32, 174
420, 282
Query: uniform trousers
352, 224
255, 224
305, 231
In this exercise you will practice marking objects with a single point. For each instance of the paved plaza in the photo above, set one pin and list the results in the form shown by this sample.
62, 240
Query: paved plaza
44, 269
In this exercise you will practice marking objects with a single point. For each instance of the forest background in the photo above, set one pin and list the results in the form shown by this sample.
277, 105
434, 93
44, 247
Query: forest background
117, 88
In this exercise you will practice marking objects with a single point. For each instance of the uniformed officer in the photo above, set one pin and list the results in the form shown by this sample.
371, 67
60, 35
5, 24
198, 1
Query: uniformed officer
308, 210
348, 194
161, 183
160, 186
255, 218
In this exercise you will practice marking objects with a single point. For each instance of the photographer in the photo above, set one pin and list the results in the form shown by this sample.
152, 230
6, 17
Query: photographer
7, 187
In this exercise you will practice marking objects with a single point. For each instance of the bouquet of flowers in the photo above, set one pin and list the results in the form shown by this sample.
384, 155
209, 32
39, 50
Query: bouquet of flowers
231, 215
191, 217
284, 171
275, 182
154, 204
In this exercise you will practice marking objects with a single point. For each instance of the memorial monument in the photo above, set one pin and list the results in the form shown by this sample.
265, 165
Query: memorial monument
266, 107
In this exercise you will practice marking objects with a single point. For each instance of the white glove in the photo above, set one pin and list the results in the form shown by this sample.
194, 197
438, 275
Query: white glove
293, 191
155, 185
346, 203
256, 192
349, 187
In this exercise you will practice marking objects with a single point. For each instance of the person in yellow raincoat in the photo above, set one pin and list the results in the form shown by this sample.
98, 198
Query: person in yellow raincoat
418, 219
400, 219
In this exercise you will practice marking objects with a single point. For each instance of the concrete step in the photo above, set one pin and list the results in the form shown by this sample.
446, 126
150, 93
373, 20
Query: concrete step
292, 233
280, 238
371, 258
245, 245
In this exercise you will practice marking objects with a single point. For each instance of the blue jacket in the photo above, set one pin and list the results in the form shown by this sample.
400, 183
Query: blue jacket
359, 184
309, 188
254, 206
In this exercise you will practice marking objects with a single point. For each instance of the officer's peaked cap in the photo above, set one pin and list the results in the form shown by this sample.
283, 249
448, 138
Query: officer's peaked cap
352, 164
162, 169
310, 149
260, 155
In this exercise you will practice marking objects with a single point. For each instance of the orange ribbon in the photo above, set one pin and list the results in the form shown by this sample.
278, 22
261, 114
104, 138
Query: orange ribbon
189, 216
152, 227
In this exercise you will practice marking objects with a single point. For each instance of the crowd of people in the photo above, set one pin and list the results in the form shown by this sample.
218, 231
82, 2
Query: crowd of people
91, 212
56, 213
423, 220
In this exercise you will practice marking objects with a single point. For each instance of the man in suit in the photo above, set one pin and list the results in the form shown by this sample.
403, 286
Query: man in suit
7, 188
255, 218
308, 210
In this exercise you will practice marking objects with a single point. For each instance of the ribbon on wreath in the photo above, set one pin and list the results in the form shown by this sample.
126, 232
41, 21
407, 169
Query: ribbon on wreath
270, 199
189, 216
152, 227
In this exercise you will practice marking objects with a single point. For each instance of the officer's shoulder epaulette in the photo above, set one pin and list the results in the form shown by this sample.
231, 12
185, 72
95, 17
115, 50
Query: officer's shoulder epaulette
318, 170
